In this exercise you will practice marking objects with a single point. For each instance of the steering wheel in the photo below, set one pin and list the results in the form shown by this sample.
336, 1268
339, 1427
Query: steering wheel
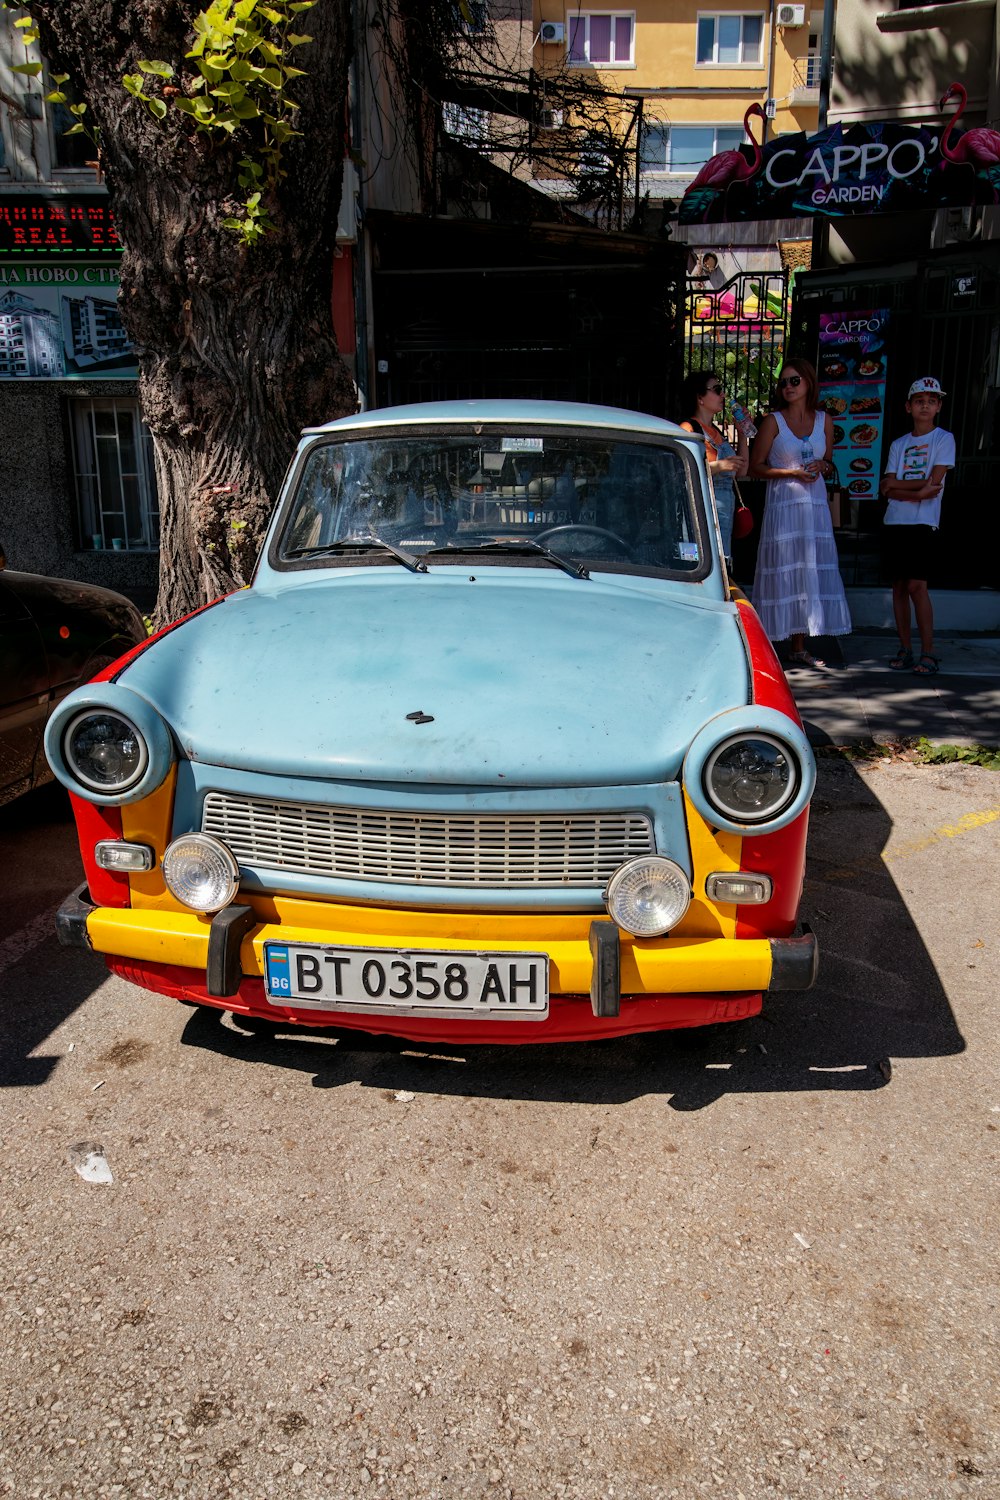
546, 538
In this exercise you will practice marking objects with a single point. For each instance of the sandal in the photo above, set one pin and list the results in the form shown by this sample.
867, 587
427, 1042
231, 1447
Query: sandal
927, 665
804, 659
903, 660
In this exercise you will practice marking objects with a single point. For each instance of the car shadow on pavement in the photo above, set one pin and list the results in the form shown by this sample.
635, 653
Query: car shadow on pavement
878, 998
41, 984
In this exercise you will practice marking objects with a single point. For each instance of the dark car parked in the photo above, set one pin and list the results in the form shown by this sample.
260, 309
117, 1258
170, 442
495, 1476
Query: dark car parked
54, 635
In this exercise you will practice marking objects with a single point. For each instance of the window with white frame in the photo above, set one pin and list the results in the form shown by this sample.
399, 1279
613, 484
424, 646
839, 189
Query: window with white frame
602, 38
34, 146
466, 123
682, 150
730, 40
115, 484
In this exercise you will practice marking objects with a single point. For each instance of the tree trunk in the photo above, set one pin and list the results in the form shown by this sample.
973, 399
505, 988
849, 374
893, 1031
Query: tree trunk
235, 345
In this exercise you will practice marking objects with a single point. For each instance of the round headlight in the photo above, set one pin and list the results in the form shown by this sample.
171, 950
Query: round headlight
648, 896
201, 872
105, 750
751, 777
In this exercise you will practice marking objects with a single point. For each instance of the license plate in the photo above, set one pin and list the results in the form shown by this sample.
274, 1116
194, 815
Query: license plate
395, 982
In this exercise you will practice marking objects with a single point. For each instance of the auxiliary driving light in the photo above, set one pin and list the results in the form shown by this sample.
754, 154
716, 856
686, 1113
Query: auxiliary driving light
648, 896
201, 872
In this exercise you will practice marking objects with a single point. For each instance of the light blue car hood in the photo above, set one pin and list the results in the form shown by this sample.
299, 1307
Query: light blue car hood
530, 677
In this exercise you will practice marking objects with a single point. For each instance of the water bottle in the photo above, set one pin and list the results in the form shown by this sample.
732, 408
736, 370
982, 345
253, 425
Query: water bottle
807, 453
743, 422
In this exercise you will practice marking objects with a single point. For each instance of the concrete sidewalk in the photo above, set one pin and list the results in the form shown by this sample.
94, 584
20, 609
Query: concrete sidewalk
861, 698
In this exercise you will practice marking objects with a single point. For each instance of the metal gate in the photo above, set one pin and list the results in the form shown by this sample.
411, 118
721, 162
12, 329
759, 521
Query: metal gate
944, 320
738, 330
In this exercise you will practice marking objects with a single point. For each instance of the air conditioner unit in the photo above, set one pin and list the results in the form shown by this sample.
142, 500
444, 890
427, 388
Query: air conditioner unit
550, 119
555, 31
791, 15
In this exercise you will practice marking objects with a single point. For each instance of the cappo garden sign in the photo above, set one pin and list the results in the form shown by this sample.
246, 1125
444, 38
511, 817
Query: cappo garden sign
879, 167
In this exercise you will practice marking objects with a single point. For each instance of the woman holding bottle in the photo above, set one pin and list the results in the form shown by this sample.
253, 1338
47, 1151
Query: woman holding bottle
703, 399
797, 588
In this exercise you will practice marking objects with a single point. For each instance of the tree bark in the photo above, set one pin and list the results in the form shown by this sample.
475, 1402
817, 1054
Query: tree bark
235, 345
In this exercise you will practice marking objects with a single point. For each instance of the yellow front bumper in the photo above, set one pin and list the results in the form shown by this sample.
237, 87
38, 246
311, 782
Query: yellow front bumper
653, 966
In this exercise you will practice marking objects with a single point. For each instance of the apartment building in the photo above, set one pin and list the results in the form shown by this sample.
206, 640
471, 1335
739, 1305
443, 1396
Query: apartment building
687, 74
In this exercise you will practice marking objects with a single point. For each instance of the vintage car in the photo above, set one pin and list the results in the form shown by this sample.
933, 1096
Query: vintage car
54, 635
488, 752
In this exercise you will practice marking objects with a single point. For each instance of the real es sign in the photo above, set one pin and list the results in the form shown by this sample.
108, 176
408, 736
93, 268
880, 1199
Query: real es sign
879, 167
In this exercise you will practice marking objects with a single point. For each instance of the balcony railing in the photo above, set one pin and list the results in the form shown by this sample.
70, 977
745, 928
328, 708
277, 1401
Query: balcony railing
805, 79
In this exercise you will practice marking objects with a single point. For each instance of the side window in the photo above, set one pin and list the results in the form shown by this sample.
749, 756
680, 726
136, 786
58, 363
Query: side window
730, 40
115, 484
34, 146
602, 38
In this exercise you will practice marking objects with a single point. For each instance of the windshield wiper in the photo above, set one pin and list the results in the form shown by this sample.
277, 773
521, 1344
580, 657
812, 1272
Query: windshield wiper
574, 569
370, 543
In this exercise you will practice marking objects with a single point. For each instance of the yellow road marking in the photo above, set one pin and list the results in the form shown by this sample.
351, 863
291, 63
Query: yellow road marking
965, 824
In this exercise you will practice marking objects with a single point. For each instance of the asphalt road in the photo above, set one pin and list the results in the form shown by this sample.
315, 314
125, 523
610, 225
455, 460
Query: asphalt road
758, 1260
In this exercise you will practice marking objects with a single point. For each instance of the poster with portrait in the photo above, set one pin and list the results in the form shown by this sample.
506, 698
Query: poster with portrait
852, 375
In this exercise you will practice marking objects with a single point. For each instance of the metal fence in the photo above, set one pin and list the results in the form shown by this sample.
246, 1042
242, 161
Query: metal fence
739, 331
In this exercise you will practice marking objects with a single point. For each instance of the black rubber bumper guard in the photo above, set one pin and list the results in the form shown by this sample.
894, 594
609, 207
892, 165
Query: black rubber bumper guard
229, 927
794, 961
794, 965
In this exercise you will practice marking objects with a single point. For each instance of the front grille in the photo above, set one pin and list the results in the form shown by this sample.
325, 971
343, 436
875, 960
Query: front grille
466, 849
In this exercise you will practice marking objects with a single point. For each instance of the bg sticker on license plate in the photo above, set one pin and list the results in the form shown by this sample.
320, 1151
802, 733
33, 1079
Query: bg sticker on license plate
387, 980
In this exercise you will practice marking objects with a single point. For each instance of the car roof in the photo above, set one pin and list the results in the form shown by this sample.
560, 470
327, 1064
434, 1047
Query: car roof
450, 413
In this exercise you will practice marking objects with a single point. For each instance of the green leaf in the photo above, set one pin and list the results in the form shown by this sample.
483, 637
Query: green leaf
272, 77
274, 16
185, 105
210, 71
56, 97
78, 109
30, 70
76, 129
295, 72
157, 108
60, 78
245, 72
161, 69
297, 41
24, 23
132, 83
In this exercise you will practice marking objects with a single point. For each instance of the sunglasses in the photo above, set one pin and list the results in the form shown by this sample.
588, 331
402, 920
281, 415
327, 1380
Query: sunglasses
791, 380
715, 390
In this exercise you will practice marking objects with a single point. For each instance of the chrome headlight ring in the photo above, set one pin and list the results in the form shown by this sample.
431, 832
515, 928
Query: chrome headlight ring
750, 770
108, 745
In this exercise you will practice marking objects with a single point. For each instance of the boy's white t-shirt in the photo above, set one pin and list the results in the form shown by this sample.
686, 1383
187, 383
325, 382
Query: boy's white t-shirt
913, 457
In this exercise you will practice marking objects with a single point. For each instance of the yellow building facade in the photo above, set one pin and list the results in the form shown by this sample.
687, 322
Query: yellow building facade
689, 71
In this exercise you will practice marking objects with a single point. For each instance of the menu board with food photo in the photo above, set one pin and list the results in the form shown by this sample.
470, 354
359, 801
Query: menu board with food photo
852, 359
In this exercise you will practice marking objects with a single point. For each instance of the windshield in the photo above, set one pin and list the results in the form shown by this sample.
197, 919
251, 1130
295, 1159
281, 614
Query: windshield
597, 499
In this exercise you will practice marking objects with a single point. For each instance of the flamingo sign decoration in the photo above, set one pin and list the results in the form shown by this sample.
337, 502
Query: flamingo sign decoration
980, 147
732, 166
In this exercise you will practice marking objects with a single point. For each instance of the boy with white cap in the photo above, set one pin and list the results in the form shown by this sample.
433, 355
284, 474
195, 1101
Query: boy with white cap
913, 484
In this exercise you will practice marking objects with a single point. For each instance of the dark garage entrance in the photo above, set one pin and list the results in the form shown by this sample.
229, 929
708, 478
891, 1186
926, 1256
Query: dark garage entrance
554, 312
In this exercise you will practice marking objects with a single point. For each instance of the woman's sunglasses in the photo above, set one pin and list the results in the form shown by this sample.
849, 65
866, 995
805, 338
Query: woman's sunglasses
791, 380
714, 390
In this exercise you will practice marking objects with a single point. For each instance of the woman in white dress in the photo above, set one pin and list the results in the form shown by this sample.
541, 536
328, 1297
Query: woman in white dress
797, 588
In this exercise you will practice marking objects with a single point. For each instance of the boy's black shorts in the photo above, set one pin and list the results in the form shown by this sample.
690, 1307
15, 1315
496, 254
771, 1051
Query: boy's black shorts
908, 551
